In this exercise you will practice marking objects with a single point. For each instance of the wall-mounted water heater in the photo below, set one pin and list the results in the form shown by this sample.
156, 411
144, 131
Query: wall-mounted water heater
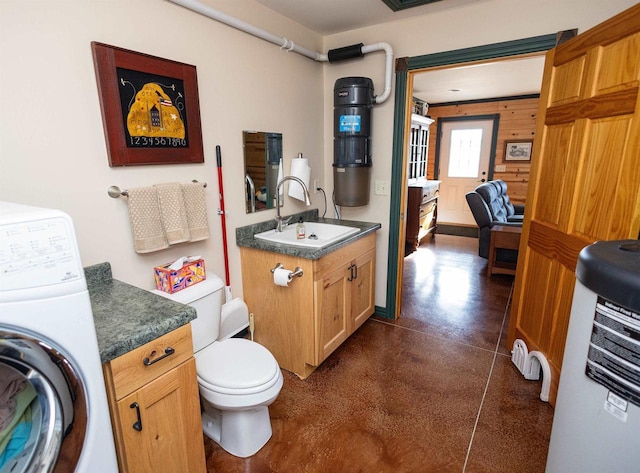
352, 102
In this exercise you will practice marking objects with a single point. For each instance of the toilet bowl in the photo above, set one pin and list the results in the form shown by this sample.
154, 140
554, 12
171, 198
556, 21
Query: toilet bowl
236, 394
237, 378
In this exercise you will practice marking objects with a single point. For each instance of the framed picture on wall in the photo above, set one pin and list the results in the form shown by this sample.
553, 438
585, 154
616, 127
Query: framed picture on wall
150, 108
518, 150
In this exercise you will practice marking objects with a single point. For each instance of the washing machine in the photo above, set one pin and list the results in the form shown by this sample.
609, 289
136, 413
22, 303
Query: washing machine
54, 415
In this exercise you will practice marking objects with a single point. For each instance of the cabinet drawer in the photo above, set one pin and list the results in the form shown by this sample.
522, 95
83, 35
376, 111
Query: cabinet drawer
143, 364
343, 256
427, 208
429, 199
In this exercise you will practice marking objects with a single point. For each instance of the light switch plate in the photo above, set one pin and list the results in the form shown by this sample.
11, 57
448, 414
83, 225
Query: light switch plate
501, 168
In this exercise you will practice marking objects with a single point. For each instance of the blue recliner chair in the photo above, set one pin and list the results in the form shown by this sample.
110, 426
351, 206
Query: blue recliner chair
490, 205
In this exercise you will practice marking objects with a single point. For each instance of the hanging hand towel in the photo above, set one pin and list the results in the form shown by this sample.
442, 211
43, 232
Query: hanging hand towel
144, 217
172, 212
196, 206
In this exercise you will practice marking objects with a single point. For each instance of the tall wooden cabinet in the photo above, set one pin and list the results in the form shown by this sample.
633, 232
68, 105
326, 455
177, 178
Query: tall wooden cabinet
418, 147
422, 195
155, 408
585, 176
303, 323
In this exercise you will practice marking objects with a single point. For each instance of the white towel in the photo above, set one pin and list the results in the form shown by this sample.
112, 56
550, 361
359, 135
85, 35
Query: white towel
173, 213
144, 217
196, 207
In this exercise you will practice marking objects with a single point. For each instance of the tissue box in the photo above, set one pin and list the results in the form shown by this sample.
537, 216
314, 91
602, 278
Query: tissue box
169, 280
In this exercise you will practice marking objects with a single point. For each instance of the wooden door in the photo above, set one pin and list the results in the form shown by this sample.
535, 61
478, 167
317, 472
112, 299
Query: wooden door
585, 176
168, 437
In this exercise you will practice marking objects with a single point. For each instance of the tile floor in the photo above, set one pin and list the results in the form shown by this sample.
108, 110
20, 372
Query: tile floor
434, 391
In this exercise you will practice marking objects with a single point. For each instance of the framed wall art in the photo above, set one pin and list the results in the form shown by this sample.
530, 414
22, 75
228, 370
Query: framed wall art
150, 108
518, 150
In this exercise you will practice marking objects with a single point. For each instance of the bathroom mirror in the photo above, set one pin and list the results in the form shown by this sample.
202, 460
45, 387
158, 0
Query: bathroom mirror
262, 158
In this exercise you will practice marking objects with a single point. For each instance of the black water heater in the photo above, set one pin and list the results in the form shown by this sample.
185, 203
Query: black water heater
352, 102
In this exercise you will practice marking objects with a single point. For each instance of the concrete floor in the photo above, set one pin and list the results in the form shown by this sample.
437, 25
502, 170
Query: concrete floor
433, 391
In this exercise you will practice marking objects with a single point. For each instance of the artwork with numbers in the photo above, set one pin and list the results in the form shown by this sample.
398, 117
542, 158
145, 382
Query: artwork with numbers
150, 108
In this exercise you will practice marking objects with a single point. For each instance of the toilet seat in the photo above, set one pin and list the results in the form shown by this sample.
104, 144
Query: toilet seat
236, 366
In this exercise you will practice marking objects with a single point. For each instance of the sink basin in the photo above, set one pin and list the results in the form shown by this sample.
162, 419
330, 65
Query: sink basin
318, 235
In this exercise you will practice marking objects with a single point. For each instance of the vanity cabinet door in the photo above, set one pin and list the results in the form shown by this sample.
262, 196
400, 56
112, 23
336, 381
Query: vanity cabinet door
362, 275
344, 300
332, 312
156, 422
155, 407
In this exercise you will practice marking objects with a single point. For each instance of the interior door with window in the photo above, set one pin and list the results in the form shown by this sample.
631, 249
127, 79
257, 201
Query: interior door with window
466, 149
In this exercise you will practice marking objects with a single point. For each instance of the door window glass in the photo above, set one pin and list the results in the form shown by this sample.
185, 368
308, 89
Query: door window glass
464, 153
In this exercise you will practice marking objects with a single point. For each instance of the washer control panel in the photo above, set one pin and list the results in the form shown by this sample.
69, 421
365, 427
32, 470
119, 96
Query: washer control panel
38, 253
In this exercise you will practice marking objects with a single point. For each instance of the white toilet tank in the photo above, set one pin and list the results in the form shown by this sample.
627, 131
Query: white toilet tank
207, 298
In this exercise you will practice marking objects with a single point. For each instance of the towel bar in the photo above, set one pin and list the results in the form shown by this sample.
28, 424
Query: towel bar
115, 192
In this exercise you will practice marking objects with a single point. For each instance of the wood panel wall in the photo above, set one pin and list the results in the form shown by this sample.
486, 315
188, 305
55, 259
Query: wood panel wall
517, 122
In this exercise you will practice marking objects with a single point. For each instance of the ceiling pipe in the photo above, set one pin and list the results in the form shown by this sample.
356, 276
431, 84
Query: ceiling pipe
229, 20
289, 45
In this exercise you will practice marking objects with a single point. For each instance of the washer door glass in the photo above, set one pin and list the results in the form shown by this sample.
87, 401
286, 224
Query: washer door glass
42, 407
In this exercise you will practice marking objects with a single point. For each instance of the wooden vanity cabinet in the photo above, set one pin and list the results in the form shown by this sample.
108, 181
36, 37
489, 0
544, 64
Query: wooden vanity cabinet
155, 408
303, 323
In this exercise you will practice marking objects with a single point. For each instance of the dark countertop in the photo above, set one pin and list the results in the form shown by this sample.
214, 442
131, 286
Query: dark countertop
244, 236
126, 316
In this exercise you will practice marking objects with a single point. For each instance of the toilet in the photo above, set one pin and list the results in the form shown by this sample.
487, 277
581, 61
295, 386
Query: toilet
237, 378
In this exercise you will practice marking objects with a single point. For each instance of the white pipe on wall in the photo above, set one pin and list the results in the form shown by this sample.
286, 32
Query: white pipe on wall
388, 67
229, 20
284, 43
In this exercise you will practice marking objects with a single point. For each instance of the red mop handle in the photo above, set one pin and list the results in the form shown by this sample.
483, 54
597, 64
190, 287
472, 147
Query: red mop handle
223, 215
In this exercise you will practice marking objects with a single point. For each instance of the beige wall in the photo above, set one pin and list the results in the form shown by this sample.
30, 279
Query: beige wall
52, 146
52, 149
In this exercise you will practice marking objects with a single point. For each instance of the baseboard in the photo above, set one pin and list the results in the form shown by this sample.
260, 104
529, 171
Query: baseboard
458, 230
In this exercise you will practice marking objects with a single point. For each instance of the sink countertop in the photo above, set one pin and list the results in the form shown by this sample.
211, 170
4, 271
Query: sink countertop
126, 316
245, 236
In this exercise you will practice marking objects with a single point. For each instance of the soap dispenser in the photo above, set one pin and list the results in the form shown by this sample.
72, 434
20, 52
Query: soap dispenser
300, 232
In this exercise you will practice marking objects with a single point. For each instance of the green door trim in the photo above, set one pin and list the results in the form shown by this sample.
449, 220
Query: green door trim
478, 53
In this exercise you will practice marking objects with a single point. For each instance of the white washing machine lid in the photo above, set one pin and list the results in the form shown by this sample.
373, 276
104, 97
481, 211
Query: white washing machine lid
237, 366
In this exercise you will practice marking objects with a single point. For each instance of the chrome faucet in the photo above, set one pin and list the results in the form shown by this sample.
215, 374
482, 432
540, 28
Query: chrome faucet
280, 223
252, 190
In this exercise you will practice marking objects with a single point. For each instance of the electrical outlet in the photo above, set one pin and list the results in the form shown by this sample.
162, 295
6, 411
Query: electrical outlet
501, 168
316, 186
381, 188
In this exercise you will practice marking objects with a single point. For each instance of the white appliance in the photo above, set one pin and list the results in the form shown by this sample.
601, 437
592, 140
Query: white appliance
596, 424
48, 348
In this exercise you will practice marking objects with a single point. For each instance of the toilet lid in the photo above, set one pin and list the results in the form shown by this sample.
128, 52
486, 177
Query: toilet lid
237, 364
